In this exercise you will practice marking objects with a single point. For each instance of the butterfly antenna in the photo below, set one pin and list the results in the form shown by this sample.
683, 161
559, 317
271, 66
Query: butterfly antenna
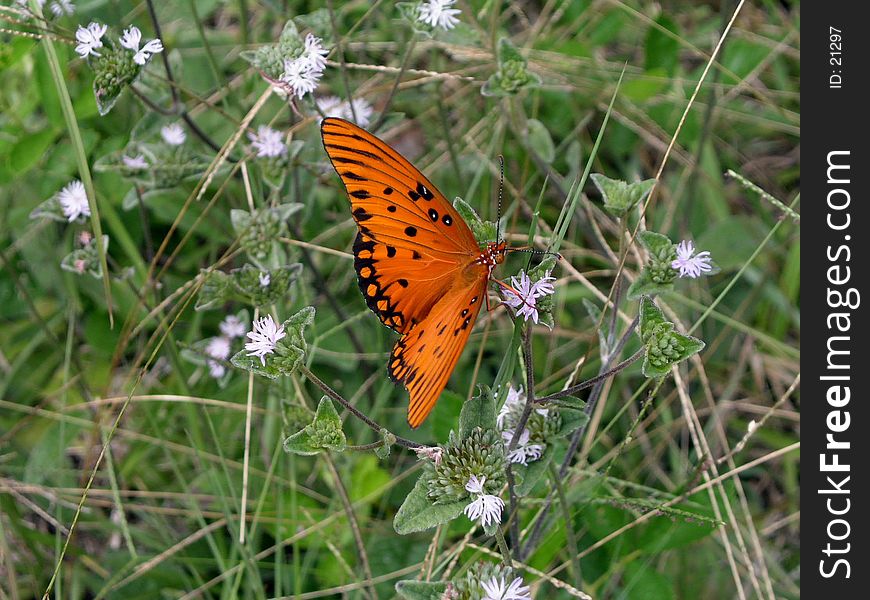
500, 195
536, 251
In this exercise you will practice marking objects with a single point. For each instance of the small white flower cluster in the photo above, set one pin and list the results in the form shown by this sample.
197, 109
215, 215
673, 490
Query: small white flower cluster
91, 37
265, 279
219, 348
690, 264
303, 73
74, 201
267, 142
438, 13
525, 294
496, 589
264, 338
357, 110
524, 452
484, 507
173, 134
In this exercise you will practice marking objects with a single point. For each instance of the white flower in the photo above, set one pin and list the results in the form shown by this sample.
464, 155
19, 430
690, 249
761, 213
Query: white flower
74, 201
151, 47
137, 162
232, 327
437, 13
362, 109
267, 142
485, 507
265, 279
130, 40
315, 53
90, 38
173, 134
61, 7
218, 347
330, 106
514, 398
495, 589
433, 453
264, 338
688, 265
524, 452
301, 75
525, 294
216, 369
333, 106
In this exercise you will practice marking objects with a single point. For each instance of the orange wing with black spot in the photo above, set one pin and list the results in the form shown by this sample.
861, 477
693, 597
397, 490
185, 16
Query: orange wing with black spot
413, 257
423, 358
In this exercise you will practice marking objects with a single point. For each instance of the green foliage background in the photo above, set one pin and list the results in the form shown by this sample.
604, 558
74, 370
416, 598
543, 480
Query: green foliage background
161, 517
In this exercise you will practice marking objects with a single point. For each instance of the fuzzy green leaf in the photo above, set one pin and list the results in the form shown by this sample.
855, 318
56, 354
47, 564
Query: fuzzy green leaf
571, 421
215, 290
417, 512
323, 433
421, 590
620, 196
479, 411
529, 475
645, 286
540, 141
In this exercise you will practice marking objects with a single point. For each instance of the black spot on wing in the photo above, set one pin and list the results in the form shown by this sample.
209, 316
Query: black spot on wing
424, 191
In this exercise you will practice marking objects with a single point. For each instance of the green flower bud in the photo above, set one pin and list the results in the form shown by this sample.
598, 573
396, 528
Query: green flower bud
480, 454
114, 70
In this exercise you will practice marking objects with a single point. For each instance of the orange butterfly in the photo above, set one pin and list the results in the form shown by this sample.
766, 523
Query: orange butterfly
419, 267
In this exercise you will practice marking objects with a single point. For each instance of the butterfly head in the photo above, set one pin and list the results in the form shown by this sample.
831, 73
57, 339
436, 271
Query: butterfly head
493, 254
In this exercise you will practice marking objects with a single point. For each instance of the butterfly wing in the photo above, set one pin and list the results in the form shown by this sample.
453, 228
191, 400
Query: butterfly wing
424, 357
411, 242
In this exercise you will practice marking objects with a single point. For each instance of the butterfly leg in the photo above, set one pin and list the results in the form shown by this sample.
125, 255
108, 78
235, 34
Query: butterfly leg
509, 288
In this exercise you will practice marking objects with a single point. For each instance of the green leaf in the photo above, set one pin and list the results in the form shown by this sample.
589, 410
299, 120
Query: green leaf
664, 347
484, 231
539, 140
645, 286
529, 475
643, 582
417, 512
388, 439
662, 46
478, 411
571, 421
650, 317
29, 150
620, 196
569, 402
421, 590
324, 433
215, 290
656, 243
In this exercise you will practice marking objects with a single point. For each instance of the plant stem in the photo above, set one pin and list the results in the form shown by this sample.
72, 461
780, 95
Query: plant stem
503, 548
353, 410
